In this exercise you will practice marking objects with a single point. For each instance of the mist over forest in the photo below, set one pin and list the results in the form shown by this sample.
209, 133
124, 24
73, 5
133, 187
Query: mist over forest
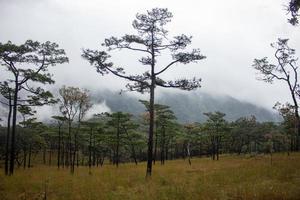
188, 106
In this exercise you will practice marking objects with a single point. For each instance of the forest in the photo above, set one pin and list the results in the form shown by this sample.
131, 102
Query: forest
148, 154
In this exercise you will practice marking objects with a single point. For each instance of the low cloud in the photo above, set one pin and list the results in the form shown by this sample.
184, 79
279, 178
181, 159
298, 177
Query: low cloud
98, 108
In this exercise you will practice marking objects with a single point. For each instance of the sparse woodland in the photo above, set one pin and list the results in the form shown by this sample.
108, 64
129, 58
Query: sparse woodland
154, 141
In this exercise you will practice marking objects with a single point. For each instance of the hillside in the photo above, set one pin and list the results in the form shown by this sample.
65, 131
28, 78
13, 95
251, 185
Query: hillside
188, 107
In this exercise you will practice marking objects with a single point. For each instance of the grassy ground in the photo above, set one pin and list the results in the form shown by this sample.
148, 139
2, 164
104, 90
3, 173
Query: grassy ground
231, 177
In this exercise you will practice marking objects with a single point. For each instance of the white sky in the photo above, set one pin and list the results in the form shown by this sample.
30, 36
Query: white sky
230, 33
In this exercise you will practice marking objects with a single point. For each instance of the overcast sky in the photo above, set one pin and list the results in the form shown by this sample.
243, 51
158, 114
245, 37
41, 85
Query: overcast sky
230, 33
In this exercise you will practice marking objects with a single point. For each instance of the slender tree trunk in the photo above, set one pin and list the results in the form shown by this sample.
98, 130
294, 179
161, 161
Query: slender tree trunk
151, 110
167, 151
155, 145
69, 154
118, 140
183, 154
50, 155
271, 154
188, 152
17, 159
298, 132
94, 150
112, 156
29, 156
74, 154
90, 150
82, 161
213, 147
77, 159
14, 123
63, 154
7, 136
24, 158
150, 137
59, 147
73, 159
297, 118
44, 155
102, 161
218, 146
162, 146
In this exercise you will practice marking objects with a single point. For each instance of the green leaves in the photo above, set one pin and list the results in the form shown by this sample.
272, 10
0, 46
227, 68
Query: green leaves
293, 9
187, 57
32, 52
98, 59
154, 20
151, 40
29, 63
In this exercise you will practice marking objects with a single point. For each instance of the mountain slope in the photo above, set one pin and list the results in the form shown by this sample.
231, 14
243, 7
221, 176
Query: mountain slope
188, 107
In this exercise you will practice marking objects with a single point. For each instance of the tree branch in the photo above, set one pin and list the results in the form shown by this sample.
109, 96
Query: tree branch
169, 65
36, 72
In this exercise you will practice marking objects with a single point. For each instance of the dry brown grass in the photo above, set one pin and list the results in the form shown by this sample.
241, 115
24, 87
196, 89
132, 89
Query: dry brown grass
231, 177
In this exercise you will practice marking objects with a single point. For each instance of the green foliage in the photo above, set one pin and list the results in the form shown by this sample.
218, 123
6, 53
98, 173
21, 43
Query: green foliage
293, 10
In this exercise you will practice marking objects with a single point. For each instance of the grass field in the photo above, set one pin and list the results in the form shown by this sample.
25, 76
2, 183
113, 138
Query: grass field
232, 177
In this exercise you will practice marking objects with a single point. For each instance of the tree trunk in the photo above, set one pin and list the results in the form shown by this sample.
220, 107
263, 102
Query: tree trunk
24, 158
298, 132
155, 147
82, 161
134, 154
44, 155
188, 152
297, 118
214, 147
29, 156
218, 146
151, 110
94, 150
77, 159
74, 154
69, 154
150, 137
162, 146
63, 154
118, 141
59, 145
167, 151
102, 161
50, 156
183, 154
90, 150
7, 136
17, 159
14, 123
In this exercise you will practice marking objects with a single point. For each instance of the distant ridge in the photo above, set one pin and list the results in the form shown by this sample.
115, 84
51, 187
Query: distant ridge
188, 107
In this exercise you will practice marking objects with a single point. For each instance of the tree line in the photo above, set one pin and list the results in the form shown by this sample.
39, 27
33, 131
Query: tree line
120, 137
